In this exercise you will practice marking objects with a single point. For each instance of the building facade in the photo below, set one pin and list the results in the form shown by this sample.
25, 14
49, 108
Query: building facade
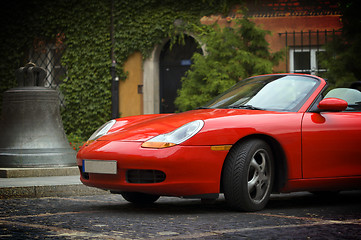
300, 28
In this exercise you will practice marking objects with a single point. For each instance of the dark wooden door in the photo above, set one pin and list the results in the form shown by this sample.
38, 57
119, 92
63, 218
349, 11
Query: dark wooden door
174, 62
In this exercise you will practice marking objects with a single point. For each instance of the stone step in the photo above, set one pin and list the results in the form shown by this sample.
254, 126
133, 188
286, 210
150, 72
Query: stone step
38, 172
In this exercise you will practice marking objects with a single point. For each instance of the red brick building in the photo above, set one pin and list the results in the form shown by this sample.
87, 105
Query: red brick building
299, 27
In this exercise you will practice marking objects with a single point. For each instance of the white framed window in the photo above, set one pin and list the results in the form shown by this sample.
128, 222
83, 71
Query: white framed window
306, 60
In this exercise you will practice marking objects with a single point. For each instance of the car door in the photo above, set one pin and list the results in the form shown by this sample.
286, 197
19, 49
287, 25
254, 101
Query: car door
331, 144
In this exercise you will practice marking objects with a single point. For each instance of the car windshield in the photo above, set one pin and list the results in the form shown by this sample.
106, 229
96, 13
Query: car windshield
270, 92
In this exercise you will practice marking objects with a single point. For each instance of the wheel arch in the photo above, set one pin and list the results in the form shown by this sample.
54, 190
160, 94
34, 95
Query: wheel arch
279, 157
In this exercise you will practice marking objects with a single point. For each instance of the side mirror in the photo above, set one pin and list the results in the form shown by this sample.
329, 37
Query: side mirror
332, 105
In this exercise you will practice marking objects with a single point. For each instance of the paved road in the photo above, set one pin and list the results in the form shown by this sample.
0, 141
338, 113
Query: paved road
290, 216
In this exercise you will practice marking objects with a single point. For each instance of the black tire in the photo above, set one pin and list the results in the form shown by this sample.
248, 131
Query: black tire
248, 175
139, 198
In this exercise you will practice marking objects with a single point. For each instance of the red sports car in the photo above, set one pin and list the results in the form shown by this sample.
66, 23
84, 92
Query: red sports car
269, 133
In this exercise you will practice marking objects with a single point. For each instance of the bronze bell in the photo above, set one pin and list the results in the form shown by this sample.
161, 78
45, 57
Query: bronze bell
32, 133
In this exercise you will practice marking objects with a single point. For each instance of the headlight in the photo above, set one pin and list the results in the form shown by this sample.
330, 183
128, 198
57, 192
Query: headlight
178, 136
103, 130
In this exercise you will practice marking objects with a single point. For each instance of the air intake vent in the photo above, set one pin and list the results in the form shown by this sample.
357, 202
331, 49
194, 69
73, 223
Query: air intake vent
145, 176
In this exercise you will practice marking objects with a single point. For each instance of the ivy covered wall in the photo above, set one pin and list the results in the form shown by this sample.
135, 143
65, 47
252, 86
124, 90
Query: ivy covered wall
85, 25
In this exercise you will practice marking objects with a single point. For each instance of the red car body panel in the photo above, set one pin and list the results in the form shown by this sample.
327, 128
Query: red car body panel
322, 150
331, 144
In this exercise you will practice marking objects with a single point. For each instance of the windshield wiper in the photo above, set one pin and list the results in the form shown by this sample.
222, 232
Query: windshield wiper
246, 107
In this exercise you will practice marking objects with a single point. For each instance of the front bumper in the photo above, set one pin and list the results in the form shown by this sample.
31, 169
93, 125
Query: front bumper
188, 170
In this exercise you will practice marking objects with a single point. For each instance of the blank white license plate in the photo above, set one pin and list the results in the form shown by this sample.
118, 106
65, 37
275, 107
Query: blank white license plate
103, 167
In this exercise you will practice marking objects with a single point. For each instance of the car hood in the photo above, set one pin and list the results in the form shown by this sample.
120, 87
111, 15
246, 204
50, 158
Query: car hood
145, 127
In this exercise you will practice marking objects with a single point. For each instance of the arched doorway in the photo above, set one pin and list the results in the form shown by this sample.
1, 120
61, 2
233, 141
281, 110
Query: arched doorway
174, 61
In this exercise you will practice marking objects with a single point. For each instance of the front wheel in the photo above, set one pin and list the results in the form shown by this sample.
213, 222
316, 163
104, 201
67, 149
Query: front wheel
139, 198
248, 175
